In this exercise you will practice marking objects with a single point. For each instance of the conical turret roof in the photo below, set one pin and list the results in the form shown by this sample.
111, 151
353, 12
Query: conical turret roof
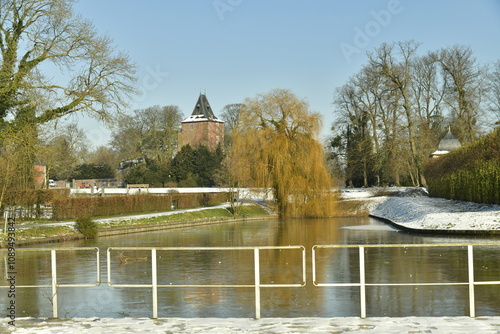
202, 111
449, 143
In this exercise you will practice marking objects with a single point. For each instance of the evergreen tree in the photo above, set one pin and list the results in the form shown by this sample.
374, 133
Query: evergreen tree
91, 171
182, 163
196, 167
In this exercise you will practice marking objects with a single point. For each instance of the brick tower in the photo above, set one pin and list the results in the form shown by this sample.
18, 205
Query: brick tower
202, 127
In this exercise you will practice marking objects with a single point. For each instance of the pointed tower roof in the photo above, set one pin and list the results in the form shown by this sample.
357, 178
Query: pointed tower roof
202, 111
449, 142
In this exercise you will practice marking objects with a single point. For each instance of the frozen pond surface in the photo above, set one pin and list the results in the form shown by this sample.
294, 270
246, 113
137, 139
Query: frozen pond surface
236, 267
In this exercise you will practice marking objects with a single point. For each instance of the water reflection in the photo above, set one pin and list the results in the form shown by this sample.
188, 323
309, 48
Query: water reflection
236, 267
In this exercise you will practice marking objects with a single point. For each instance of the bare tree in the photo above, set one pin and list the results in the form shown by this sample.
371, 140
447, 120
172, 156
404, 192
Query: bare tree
355, 122
494, 91
103, 155
401, 103
428, 96
53, 63
397, 70
464, 89
150, 133
230, 115
62, 148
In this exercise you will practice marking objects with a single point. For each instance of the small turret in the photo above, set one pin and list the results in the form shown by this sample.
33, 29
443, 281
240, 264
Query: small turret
447, 144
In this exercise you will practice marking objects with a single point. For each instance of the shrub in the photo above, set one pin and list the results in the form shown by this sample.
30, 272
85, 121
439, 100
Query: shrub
87, 227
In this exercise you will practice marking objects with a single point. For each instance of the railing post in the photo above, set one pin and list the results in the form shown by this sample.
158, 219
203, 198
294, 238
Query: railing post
362, 282
108, 260
471, 282
154, 282
313, 264
98, 266
304, 278
54, 283
257, 282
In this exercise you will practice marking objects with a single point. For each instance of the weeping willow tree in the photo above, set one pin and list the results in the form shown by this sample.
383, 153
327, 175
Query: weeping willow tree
275, 147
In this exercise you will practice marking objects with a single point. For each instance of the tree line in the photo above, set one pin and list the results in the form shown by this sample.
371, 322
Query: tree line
390, 116
392, 113
143, 149
53, 65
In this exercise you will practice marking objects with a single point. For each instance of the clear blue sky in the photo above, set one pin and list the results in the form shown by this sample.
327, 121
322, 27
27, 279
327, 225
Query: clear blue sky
233, 49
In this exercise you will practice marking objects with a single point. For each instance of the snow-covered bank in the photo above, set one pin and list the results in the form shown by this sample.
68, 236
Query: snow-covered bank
412, 208
438, 325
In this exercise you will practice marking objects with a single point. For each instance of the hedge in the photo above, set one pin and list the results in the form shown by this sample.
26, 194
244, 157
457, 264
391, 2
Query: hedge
471, 173
32, 200
73, 208
31, 197
480, 183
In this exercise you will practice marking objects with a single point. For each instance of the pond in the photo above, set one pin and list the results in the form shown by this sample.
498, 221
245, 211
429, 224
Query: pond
236, 267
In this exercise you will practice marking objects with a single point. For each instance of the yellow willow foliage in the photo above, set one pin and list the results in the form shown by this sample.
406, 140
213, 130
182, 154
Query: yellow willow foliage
275, 147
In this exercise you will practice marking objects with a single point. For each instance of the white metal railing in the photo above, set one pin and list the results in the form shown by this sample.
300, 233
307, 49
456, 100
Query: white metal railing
257, 283
54, 283
362, 279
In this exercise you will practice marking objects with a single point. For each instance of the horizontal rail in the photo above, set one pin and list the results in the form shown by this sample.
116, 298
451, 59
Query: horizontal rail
39, 250
273, 285
409, 245
362, 279
257, 284
54, 284
207, 248
303, 283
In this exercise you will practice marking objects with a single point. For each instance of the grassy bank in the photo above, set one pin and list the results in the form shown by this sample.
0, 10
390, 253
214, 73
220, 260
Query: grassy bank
42, 233
120, 225
351, 208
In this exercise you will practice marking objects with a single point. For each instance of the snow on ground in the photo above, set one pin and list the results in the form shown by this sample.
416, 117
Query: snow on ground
438, 325
413, 208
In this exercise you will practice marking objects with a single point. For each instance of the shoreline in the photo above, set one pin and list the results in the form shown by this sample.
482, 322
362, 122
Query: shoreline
408, 209
413, 211
435, 231
130, 229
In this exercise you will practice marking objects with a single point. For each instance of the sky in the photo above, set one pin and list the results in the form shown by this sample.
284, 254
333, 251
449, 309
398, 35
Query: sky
236, 49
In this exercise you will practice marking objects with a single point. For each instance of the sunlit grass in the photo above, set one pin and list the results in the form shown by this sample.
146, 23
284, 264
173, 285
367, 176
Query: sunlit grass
201, 215
44, 232
351, 208
208, 214
252, 210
